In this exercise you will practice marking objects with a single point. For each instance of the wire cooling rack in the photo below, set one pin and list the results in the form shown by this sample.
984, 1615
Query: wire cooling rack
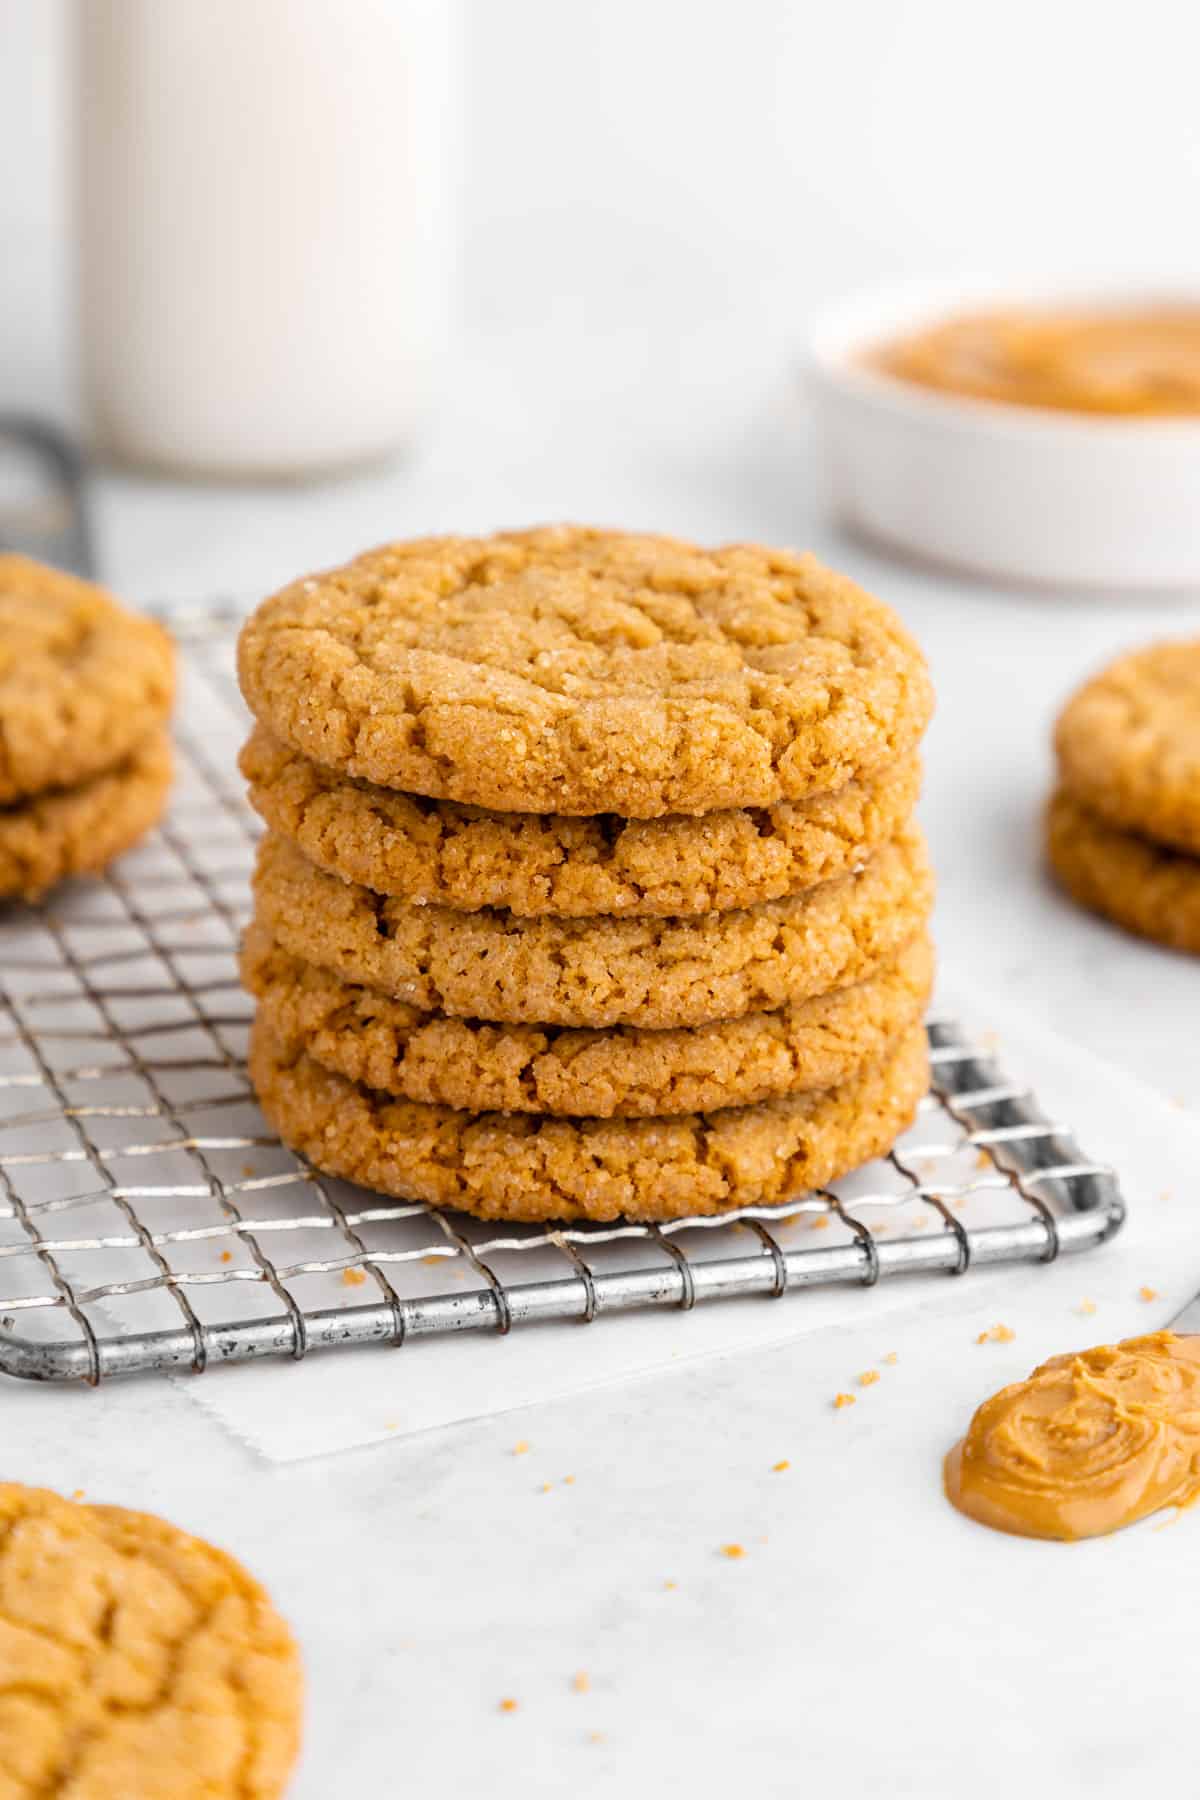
149, 1219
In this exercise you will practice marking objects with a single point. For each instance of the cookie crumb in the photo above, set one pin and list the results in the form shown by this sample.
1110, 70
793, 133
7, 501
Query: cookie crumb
508, 1706
996, 1334
391, 1424
670, 1584
868, 1378
248, 1171
779, 1467
520, 1447
568, 1481
982, 1160
227, 1256
581, 1682
353, 1277
1086, 1308
822, 1223
732, 1551
891, 1359
840, 1400
595, 1737
77, 1494
1147, 1293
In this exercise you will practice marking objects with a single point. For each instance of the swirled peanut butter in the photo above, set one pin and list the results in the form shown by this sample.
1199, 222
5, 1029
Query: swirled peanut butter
1143, 363
1087, 1444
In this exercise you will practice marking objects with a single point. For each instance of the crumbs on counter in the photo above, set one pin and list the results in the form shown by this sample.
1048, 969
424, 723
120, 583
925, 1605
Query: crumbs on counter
996, 1334
1147, 1293
568, 1481
508, 1705
891, 1359
227, 1256
868, 1378
841, 1400
733, 1551
670, 1584
581, 1682
779, 1467
821, 1223
520, 1447
353, 1277
1086, 1308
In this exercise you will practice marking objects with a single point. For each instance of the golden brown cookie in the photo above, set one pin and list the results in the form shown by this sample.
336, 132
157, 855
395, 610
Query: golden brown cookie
528, 1166
1147, 889
82, 681
1129, 744
136, 1661
532, 863
625, 1072
576, 671
79, 830
598, 972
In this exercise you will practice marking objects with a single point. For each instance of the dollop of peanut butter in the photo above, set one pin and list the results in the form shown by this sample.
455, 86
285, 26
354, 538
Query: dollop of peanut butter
1087, 1443
1143, 363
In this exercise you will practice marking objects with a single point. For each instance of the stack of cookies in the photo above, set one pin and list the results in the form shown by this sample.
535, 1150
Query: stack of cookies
85, 761
591, 887
1123, 825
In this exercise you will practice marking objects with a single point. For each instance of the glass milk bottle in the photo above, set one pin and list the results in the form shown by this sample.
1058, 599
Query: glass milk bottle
264, 227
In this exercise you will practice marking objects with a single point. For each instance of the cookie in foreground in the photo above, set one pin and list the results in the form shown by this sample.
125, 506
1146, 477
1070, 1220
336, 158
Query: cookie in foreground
436, 852
625, 1072
522, 1166
596, 972
569, 670
136, 1660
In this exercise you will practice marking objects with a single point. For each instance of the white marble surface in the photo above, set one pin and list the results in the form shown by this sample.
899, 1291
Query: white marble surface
430, 1578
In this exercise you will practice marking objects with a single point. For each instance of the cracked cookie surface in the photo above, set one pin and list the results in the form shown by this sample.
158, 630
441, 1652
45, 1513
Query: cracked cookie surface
1128, 743
598, 972
439, 852
625, 1072
568, 670
82, 681
136, 1661
80, 830
525, 1166
1150, 890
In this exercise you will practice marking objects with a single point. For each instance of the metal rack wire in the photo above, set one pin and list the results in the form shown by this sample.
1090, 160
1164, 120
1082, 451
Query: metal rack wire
149, 1220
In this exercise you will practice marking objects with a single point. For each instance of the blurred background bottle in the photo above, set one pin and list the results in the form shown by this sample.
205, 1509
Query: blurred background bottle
265, 234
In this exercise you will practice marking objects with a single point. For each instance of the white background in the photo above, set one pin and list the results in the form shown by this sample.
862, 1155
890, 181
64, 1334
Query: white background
656, 196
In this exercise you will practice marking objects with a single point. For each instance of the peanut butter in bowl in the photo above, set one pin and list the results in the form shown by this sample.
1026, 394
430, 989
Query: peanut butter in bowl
1088, 1443
1138, 362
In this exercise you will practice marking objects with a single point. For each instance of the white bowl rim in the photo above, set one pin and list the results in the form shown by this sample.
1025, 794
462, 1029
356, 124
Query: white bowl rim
841, 332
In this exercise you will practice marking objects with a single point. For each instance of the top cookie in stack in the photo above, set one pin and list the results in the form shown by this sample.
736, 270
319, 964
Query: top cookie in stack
591, 887
1123, 826
85, 690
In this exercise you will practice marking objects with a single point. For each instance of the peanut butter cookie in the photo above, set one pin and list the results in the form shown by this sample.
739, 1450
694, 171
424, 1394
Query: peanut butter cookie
576, 671
532, 863
136, 1661
82, 681
79, 830
526, 1166
598, 972
1149, 890
1129, 744
626, 1072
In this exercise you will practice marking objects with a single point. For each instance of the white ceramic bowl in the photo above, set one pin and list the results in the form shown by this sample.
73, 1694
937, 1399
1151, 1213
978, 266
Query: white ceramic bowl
1006, 491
